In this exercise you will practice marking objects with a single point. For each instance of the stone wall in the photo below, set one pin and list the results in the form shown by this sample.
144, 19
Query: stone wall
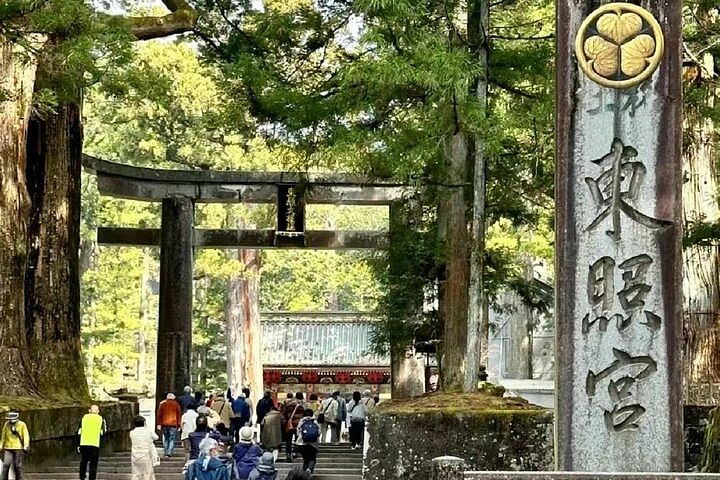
403, 445
53, 430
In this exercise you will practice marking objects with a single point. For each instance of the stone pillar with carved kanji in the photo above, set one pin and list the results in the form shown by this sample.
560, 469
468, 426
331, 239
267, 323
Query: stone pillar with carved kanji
619, 298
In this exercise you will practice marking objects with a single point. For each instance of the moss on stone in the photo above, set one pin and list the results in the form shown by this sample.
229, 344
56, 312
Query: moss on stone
481, 404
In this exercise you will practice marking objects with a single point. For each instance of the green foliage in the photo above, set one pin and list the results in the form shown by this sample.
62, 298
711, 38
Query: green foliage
710, 460
166, 110
377, 86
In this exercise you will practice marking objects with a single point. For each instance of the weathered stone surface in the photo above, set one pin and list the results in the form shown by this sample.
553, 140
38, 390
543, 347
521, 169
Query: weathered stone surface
53, 431
176, 284
402, 446
447, 468
149, 184
618, 263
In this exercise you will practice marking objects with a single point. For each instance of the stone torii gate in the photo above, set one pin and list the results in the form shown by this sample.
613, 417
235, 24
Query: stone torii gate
180, 190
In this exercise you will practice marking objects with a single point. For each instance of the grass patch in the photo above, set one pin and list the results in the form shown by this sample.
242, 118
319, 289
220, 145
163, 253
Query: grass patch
458, 403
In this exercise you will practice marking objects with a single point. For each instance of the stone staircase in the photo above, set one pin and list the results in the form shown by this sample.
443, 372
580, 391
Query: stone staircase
335, 462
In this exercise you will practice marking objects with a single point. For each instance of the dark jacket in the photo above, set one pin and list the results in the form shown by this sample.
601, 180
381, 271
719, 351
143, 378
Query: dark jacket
214, 470
241, 409
264, 406
246, 456
185, 401
197, 437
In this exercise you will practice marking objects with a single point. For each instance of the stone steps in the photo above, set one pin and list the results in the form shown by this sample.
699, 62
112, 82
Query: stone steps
335, 462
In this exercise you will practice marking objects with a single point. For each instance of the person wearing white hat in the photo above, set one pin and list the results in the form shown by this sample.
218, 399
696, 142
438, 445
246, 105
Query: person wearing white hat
246, 453
169, 419
14, 443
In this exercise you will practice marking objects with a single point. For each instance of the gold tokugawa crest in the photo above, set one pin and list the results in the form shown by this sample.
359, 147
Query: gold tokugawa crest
619, 45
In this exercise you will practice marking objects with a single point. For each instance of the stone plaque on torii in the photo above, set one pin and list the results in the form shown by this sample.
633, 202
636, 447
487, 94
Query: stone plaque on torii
619, 297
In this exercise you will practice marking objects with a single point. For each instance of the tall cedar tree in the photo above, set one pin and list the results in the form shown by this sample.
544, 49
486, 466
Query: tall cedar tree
395, 89
63, 43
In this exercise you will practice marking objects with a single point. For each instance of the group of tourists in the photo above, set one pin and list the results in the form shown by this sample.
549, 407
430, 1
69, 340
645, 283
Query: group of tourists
15, 443
216, 432
216, 435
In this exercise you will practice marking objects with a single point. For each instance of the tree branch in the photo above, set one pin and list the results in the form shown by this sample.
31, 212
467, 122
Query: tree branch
515, 90
543, 37
183, 18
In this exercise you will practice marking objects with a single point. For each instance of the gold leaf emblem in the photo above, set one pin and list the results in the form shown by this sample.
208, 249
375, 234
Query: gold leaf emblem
603, 55
619, 27
636, 55
619, 45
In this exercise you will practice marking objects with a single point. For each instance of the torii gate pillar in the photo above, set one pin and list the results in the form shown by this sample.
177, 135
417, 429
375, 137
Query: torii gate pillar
176, 276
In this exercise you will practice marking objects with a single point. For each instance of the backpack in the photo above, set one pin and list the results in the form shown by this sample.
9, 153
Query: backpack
310, 431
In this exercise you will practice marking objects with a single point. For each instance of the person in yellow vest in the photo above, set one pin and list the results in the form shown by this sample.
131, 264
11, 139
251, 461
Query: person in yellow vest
14, 443
92, 429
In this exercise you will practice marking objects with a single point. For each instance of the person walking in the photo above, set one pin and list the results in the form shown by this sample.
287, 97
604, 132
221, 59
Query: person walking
212, 416
368, 401
314, 403
294, 411
186, 399
342, 415
223, 408
187, 427
14, 444
307, 439
169, 419
241, 416
327, 418
246, 454
265, 469
92, 429
144, 457
263, 407
271, 434
356, 421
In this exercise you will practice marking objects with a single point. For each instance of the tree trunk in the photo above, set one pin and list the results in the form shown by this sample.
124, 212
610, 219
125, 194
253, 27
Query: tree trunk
454, 291
477, 320
144, 319
52, 282
520, 336
16, 80
243, 331
702, 263
408, 374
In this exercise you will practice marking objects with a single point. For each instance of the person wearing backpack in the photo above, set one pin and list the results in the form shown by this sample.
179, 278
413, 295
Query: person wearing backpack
224, 411
242, 415
246, 453
356, 421
14, 444
307, 439
294, 411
